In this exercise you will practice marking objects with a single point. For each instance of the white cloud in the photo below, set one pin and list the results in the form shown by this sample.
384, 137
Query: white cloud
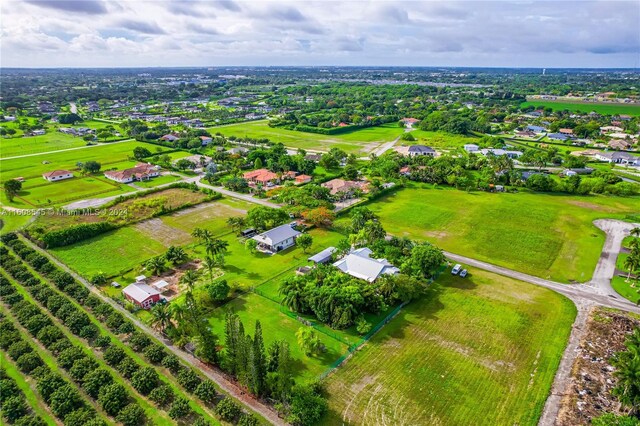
197, 32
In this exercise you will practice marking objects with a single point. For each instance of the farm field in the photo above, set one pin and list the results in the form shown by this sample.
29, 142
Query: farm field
551, 236
40, 193
439, 140
106, 154
586, 107
52, 141
486, 344
212, 216
110, 253
11, 221
359, 141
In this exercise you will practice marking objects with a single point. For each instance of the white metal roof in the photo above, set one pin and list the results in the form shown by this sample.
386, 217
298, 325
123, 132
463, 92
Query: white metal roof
140, 292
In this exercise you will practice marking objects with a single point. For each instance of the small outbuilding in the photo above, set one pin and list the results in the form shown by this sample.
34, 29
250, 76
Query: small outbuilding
324, 256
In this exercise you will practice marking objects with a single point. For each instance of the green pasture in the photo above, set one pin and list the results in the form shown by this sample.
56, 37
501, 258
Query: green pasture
439, 140
547, 235
357, 141
587, 107
482, 350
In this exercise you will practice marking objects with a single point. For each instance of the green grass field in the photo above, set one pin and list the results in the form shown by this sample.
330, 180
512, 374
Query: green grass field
610, 109
160, 180
358, 141
439, 140
37, 192
278, 326
110, 253
34, 166
551, 236
212, 216
52, 141
12, 221
482, 351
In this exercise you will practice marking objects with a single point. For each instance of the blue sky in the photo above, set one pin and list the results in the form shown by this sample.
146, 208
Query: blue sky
110, 33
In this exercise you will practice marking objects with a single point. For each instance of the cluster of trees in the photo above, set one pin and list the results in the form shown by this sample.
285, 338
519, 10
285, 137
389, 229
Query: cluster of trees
457, 122
15, 409
340, 300
269, 373
143, 379
11, 188
299, 199
632, 262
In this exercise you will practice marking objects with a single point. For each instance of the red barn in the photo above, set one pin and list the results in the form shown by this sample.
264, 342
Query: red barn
142, 295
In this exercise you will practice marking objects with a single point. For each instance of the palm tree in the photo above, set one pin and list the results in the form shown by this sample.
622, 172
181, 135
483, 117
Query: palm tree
236, 223
292, 292
190, 278
161, 317
155, 265
216, 246
632, 263
178, 313
210, 263
201, 234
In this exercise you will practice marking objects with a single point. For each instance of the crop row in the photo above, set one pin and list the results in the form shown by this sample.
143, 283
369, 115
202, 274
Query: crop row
62, 397
115, 354
15, 407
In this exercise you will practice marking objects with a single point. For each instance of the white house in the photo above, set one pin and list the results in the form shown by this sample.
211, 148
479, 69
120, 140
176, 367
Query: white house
471, 147
359, 264
618, 158
206, 140
500, 152
414, 150
57, 175
277, 239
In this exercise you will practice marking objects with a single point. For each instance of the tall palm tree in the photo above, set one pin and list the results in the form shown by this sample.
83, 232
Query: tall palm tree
632, 263
161, 317
292, 292
178, 313
201, 234
155, 265
216, 246
210, 263
190, 278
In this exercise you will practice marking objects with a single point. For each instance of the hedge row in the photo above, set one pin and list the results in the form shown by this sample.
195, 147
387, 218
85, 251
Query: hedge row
15, 409
137, 340
62, 397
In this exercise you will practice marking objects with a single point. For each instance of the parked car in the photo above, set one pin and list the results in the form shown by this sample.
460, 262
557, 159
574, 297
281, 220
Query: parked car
456, 269
463, 273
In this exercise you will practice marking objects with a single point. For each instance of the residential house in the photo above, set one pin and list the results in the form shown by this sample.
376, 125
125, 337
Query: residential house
142, 171
536, 129
199, 160
344, 188
238, 150
141, 294
313, 157
414, 150
38, 132
206, 140
262, 176
618, 158
169, 138
277, 239
300, 179
558, 136
359, 264
619, 144
471, 147
568, 132
500, 152
526, 134
57, 175
409, 122
604, 130
622, 136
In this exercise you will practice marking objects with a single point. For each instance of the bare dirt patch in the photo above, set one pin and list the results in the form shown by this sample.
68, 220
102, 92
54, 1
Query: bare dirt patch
592, 379
586, 205
167, 235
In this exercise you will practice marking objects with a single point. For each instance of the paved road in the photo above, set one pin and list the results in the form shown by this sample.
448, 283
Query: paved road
245, 197
385, 147
211, 372
575, 292
63, 150
616, 231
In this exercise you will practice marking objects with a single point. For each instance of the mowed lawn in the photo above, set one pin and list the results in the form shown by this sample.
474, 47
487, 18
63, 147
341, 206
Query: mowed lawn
110, 253
211, 216
358, 141
586, 107
37, 192
551, 236
106, 154
439, 140
51, 141
278, 326
482, 350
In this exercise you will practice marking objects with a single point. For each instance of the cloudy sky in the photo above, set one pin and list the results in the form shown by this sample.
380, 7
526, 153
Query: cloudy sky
118, 33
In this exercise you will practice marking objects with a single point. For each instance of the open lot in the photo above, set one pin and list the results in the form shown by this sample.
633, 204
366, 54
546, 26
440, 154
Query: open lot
52, 141
551, 236
37, 192
358, 141
439, 140
212, 216
586, 107
486, 344
35, 166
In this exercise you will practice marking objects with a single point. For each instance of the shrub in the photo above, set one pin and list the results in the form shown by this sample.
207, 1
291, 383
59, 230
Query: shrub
73, 234
138, 341
28, 362
69, 356
154, 353
48, 384
81, 368
227, 410
19, 348
65, 400
113, 398
13, 408
180, 408
127, 367
206, 391
113, 355
145, 380
162, 395
49, 334
95, 380
131, 415
188, 379
248, 420
79, 417
171, 362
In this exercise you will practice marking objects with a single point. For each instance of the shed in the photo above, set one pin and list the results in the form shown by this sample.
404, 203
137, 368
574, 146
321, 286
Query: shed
247, 233
324, 256
160, 285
